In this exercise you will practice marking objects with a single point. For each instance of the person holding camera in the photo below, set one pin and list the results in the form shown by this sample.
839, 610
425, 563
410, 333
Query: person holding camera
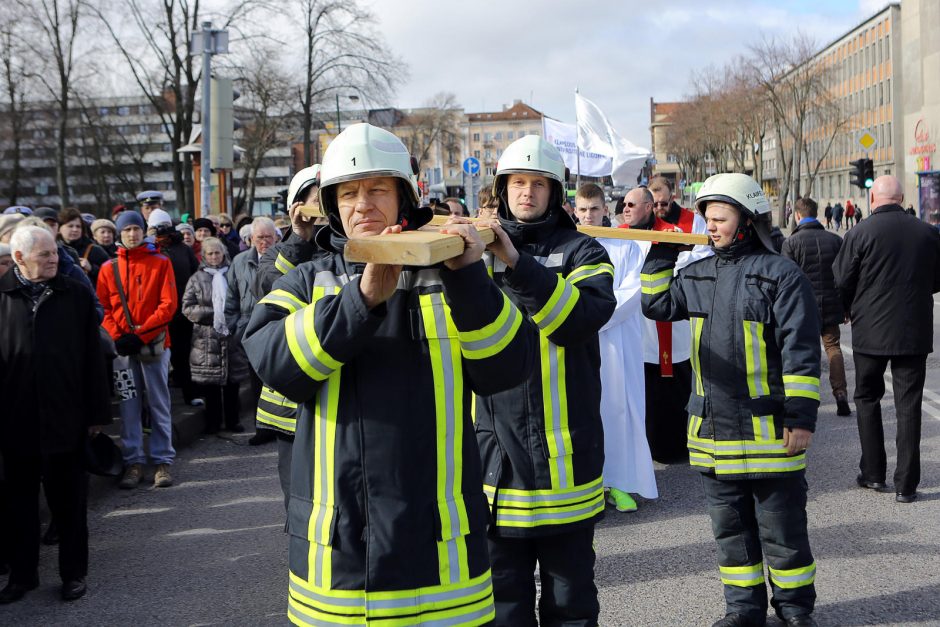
138, 292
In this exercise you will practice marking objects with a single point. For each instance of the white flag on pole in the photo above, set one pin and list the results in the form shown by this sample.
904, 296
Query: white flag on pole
564, 137
596, 135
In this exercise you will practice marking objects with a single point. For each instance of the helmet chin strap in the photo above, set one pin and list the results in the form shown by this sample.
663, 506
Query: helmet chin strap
743, 230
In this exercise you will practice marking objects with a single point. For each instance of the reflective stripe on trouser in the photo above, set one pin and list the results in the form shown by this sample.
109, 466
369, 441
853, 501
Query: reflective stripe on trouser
763, 455
446, 368
468, 602
537, 508
757, 520
276, 411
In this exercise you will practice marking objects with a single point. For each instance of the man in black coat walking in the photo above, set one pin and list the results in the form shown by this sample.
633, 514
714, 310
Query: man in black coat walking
887, 272
814, 249
54, 391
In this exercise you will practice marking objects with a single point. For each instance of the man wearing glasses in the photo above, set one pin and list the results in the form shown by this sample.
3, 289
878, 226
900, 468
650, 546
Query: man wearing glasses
229, 235
666, 345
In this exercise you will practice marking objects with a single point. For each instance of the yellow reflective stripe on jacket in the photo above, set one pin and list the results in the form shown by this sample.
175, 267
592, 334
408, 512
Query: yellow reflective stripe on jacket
305, 346
799, 385
468, 602
764, 429
746, 465
697, 323
586, 272
793, 577
276, 411
742, 576
283, 299
536, 508
559, 306
494, 337
320, 526
287, 424
652, 284
446, 369
755, 358
555, 410
274, 397
282, 264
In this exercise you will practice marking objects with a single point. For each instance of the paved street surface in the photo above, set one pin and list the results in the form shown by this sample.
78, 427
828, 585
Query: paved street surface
211, 550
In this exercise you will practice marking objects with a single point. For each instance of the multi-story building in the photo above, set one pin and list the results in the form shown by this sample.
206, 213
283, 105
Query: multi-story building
665, 163
489, 133
863, 73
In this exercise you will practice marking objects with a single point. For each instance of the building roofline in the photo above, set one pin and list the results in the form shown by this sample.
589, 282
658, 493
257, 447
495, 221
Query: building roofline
887, 7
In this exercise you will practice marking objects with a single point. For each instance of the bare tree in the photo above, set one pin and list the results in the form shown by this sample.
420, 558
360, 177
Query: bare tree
14, 77
342, 51
56, 24
265, 99
434, 125
153, 39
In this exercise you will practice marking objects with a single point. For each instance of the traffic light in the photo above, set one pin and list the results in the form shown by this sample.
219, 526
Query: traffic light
462, 195
222, 123
857, 174
869, 172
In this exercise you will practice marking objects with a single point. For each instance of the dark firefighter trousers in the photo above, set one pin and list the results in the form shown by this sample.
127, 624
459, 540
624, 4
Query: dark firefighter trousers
762, 519
566, 570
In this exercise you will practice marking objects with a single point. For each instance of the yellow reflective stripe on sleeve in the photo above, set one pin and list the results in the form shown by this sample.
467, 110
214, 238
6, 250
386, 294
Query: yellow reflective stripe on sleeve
323, 479
282, 264
272, 396
286, 424
494, 337
793, 577
652, 284
799, 385
468, 602
585, 272
304, 345
755, 358
742, 576
283, 299
697, 323
559, 306
446, 370
555, 410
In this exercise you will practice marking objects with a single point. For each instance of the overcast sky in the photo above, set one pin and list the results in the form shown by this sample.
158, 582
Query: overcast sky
489, 52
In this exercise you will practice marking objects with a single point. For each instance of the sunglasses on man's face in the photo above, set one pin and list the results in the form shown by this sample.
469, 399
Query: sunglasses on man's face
631, 205
662, 204
225, 225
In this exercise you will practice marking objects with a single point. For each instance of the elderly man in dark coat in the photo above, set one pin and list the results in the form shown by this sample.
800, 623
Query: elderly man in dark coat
54, 389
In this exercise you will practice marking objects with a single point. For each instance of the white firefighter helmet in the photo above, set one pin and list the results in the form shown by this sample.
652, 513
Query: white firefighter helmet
531, 155
364, 151
302, 181
743, 192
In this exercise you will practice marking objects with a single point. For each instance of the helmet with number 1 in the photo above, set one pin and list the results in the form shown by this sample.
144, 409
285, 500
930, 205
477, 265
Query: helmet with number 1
744, 193
364, 151
531, 155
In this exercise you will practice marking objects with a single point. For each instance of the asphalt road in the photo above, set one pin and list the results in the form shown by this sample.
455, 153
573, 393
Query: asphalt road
211, 550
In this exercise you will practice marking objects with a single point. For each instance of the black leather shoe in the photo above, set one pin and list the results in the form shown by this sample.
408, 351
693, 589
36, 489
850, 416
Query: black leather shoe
235, 428
261, 436
801, 621
905, 498
877, 486
842, 408
737, 620
75, 589
14, 592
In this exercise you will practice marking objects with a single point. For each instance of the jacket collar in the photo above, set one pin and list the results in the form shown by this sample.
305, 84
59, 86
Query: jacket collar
887, 208
9, 282
815, 224
145, 249
530, 232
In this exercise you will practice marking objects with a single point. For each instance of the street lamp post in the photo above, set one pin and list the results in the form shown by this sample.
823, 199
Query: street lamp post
339, 123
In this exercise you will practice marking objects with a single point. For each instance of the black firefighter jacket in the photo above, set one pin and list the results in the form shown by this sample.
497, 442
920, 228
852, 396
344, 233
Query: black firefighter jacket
542, 441
814, 249
887, 271
387, 516
755, 354
52, 370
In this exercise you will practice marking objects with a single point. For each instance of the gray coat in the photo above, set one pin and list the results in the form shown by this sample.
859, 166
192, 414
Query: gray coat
210, 355
238, 305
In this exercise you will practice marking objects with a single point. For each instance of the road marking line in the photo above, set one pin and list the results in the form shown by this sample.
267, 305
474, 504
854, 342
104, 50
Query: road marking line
928, 395
229, 458
216, 532
214, 482
251, 499
134, 512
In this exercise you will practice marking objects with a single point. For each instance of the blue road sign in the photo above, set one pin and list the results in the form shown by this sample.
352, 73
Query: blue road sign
471, 165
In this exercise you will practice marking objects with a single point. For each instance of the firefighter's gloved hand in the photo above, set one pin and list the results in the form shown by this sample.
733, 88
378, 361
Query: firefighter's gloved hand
128, 344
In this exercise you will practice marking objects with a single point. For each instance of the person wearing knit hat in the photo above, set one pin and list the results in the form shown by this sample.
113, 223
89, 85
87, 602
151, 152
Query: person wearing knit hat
189, 235
158, 217
104, 232
129, 218
203, 228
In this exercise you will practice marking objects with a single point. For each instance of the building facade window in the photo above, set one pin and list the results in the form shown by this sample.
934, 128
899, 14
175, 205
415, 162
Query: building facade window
476, 137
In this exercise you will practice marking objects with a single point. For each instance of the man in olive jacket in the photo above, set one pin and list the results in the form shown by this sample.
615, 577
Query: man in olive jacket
54, 390
813, 248
887, 272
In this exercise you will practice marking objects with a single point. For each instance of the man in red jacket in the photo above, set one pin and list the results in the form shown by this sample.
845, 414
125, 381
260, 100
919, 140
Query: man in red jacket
138, 308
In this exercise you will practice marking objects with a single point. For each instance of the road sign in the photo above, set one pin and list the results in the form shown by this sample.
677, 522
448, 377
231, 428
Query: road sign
866, 140
471, 165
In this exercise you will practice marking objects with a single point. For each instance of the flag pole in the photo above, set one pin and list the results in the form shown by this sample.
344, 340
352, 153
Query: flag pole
577, 144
